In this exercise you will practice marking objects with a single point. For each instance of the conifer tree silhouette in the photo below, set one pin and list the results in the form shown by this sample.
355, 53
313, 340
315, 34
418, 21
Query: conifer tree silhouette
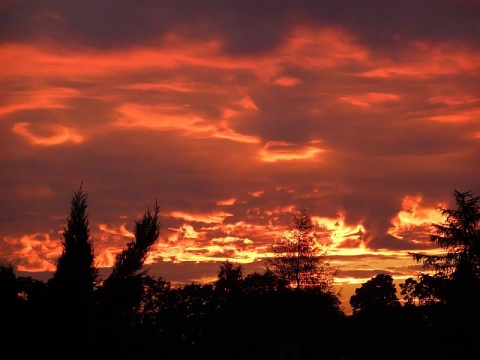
76, 274
123, 289
459, 236
72, 286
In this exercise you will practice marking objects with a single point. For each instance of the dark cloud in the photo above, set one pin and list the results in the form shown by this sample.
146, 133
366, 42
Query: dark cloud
247, 26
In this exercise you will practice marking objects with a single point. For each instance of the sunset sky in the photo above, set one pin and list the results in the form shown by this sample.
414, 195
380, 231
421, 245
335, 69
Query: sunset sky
233, 114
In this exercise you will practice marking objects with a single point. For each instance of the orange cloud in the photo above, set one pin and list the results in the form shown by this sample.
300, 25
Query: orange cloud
61, 134
231, 239
186, 232
454, 99
257, 193
171, 86
230, 134
429, 60
282, 151
248, 103
287, 81
37, 98
177, 118
214, 217
161, 117
226, 202
451, 118
121, 230
368, 99
326, 47
338, 235
414, 220
37, 252
322, 47
105, 257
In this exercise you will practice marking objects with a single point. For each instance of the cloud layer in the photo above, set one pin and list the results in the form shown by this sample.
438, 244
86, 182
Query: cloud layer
232, 115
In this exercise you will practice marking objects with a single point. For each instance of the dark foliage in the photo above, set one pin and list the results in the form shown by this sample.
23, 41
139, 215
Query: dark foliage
459, 236
256, 316
375, 296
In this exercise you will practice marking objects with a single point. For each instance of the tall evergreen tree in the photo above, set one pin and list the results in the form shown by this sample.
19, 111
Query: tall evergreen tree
72, 286
76, 274
459, 236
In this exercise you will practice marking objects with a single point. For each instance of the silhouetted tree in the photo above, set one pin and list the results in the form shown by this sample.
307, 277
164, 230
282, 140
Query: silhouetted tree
130, 261
76, 274
9, 288
258, 284
299, 258
155, 302
73, 283
428, 290
377, 323
376, 295
9, 311
459, 236
229, 279
123, 294
124, 288
195, 307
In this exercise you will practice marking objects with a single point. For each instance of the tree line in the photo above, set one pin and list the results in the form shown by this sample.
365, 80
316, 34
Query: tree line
288, 311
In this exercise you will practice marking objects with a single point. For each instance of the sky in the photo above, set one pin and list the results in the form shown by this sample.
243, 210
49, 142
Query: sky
232, 115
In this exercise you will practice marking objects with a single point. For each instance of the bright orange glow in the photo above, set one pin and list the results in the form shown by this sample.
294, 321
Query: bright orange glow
187, 232
414, 219
105, 256
36, 252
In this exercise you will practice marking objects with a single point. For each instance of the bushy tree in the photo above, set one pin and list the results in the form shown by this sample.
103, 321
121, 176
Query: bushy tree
258, 284
376, 295
299, 258
426, 291
229, 279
